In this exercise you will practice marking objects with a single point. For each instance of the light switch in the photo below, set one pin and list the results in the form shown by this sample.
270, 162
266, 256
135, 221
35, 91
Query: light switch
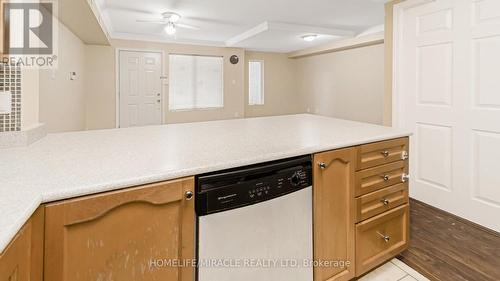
5, 102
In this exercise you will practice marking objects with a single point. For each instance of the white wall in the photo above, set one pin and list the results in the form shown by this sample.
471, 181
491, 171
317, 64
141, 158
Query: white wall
348, 84
62, 101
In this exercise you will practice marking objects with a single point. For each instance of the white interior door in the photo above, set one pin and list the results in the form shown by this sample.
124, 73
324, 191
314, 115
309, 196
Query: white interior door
447, 91
140, 89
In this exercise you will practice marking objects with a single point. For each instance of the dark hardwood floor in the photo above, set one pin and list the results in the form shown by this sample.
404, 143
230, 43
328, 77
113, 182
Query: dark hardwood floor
445, 247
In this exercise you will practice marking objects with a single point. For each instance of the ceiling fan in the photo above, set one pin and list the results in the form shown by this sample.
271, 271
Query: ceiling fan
171, 22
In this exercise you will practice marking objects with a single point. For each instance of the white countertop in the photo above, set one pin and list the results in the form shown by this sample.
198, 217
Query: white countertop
66, 165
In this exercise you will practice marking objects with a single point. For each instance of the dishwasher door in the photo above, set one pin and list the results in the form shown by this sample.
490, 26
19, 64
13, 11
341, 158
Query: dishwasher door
267, 241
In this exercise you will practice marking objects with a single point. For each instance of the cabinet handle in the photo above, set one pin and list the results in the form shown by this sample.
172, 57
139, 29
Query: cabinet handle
189, 195
404, 155
385, 153
385, 201
405, 177
385, 177
322, 165
386, 238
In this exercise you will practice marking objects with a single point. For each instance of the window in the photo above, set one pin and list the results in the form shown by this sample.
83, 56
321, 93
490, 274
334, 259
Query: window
195, 82
255, 82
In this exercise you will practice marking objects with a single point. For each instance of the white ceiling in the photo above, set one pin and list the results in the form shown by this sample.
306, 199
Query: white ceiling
263, 25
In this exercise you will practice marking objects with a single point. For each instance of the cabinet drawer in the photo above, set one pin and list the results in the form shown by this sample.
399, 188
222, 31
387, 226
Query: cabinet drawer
381, 238
379, 153
377, 202
372, 179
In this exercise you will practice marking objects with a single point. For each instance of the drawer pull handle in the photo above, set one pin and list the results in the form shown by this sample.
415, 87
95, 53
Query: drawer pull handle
405, 177
189, 195
385, 177
404, 155
385, 153
385, 201
322, 165
386, 238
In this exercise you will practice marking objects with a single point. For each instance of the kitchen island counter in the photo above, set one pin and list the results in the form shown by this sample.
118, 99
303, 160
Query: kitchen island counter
67, 165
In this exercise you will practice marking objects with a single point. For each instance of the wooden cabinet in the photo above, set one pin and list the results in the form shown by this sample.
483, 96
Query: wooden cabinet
333, 201
377, 202
373, 179
381, 190
23, 258
360, 207
141, 233
379, 153
381, 238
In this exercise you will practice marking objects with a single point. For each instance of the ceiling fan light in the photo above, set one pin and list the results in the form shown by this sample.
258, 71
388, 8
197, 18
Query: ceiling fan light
310, 37
174, 17
170, 29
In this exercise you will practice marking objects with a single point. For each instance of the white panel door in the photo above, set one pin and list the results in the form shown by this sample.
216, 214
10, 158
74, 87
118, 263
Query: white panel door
447, 91
140, 89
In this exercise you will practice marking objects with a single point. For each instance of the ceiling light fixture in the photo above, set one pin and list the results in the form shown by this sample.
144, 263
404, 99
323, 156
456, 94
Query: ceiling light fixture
170, 28
172, 17
310, 37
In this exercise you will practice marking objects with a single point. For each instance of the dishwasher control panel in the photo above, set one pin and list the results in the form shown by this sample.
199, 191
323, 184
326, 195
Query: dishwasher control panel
236, 188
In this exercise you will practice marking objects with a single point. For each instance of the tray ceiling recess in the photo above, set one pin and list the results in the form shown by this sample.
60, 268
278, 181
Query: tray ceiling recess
258, 25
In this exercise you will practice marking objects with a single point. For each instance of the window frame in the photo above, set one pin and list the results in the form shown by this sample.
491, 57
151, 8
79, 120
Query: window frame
196, 108
262, 82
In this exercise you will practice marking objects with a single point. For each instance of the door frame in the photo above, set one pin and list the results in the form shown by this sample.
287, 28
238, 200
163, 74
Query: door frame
117, 81
398, 99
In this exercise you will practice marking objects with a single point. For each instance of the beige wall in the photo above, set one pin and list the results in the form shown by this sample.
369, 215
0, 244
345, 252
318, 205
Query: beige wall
347, 84
30, 84
389, 6
281, 95
100, 93
62, 101
327, 84
101, 102
280, 92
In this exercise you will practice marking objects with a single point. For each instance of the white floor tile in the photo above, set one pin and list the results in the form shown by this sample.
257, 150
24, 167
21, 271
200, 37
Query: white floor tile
386, 272
403, 266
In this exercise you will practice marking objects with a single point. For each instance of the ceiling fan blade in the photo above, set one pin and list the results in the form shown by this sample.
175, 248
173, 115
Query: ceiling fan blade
181, 25
151, 21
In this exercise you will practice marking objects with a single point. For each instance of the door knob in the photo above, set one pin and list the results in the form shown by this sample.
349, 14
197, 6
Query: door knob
322, 165
385, 201
189, 195
385, 153
385, 177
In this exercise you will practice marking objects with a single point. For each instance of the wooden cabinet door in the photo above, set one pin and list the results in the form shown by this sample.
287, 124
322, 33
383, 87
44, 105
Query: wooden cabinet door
381, 238
137, 234
23, 258
333, 189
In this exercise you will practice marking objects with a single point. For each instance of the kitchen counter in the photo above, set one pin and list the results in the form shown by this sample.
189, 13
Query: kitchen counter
66, 165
